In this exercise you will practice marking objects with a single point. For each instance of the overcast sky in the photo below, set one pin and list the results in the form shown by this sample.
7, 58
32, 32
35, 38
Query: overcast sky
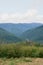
21, 11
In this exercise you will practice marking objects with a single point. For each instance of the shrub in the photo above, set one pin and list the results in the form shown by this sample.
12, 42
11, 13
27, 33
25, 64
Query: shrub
20, 50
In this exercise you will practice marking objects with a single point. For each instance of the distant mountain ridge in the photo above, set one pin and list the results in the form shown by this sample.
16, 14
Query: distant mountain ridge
19, 28
11, 33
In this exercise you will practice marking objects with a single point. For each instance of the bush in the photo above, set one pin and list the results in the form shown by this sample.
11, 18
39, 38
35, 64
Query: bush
16, 50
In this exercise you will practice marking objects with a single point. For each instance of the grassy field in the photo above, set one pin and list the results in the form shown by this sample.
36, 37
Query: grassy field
21, 54
20, 50
21, 61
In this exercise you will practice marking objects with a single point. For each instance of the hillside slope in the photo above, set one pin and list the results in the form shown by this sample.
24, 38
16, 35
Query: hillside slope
6, 37
35, 34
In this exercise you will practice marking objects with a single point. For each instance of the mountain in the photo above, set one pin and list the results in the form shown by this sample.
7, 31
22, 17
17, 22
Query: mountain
6, 37
35, 34
19, 28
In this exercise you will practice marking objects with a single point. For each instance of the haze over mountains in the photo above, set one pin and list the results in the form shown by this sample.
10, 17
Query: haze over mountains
11, 33
35, 34
18, 29
6, 37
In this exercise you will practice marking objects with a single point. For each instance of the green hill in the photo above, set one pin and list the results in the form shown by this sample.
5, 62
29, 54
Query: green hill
35, 34
6, 37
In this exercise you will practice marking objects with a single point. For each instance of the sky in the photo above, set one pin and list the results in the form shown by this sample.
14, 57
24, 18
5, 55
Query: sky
21, 11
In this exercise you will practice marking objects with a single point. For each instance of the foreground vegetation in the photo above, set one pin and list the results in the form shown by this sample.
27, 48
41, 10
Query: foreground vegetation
21, 61
21, 50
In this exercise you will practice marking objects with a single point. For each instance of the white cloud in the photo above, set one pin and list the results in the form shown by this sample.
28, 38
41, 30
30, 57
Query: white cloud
28, 17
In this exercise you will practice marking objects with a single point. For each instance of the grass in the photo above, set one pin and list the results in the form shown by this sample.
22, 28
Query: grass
13, 61
17, 51
21, 54
21, 61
